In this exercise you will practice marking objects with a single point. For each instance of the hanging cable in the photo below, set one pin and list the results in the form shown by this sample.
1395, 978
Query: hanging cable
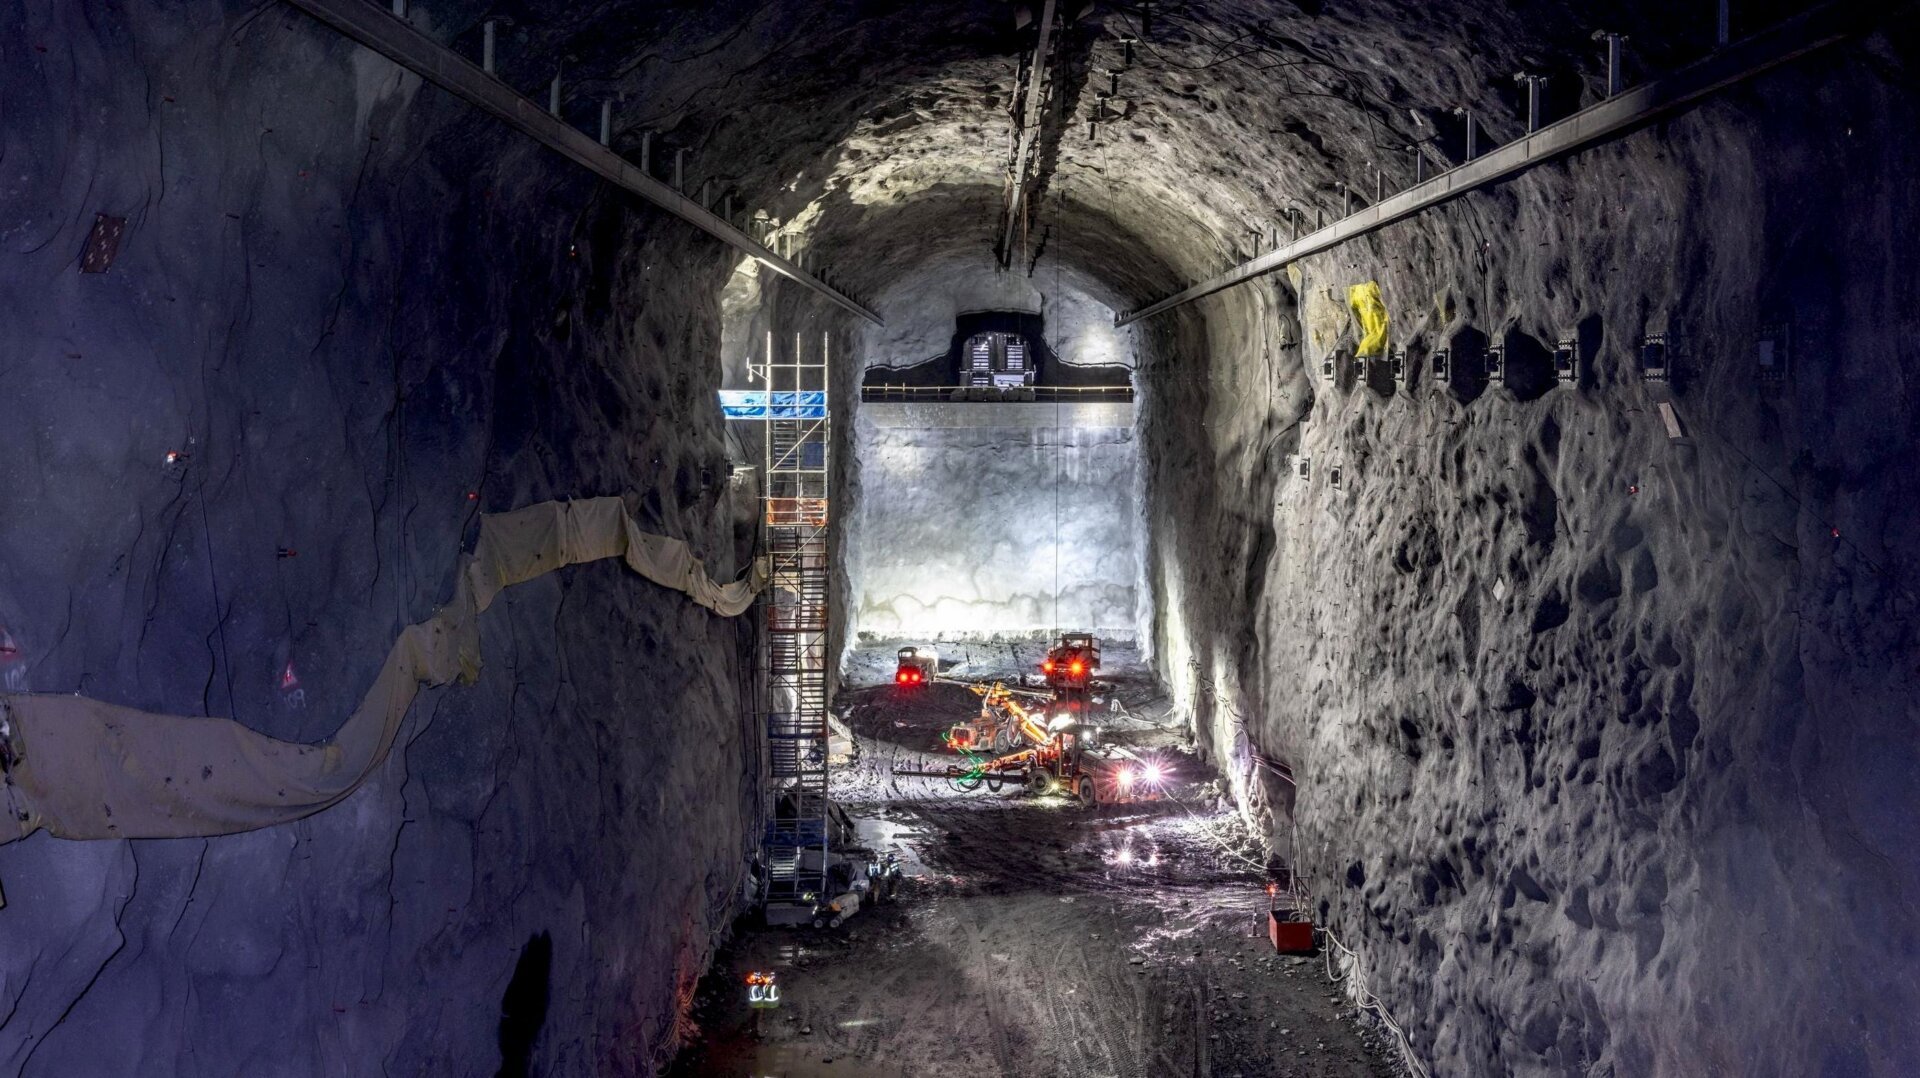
1370, 1002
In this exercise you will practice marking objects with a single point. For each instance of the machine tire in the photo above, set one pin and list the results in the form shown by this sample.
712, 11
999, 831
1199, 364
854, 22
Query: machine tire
1037, 780
1085, 790
819, 922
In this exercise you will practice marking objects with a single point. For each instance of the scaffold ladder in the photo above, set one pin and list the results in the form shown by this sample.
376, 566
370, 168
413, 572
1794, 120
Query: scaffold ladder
793, 658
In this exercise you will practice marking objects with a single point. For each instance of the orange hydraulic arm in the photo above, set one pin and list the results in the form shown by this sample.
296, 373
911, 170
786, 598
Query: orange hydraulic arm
999, 696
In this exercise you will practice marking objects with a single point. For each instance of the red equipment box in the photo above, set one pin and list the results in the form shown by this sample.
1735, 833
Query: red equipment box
1289, 937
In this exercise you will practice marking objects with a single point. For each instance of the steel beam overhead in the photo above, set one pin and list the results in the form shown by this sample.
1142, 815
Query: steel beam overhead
1630, 109
1029, 131
378, 30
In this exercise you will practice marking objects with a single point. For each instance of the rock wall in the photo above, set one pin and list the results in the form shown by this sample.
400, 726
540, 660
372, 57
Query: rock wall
355, 315
955, 521
1603, 740
922, 308
996, 521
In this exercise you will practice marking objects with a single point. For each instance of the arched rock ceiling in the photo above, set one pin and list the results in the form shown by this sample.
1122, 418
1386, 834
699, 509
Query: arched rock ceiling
881, 131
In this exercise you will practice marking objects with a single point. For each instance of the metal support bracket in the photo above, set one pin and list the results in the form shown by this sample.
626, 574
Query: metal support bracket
374, 28
1627, 111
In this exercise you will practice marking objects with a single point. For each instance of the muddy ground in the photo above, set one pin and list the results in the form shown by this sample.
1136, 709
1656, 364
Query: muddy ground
1032, 937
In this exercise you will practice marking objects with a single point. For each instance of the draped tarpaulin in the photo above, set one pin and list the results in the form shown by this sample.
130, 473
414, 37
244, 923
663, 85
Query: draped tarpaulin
86, 769
1371, 312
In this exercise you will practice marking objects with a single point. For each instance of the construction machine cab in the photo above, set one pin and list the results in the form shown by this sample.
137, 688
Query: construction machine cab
1071, 663
917, 666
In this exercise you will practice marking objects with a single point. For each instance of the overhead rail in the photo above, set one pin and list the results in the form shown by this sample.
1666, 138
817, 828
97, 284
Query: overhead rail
1029, 130
390, 35
1014, 395
1625, 111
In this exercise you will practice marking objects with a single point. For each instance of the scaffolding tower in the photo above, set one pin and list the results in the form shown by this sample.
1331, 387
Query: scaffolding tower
793, 657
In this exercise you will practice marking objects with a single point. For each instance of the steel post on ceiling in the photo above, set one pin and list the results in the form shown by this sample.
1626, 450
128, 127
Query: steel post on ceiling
1626, 111
393, 38
1029, 131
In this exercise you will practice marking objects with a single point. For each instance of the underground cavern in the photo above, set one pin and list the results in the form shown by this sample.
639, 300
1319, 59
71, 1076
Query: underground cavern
980, 537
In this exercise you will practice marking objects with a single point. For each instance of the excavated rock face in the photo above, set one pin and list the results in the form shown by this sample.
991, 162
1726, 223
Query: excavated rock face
360, 317
996, 521
1595, 731
1603, 742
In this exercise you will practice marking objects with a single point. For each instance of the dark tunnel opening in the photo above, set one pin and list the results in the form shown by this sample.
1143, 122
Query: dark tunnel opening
523, 1010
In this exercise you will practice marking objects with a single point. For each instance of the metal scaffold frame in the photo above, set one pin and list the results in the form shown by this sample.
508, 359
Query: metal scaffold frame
793, 657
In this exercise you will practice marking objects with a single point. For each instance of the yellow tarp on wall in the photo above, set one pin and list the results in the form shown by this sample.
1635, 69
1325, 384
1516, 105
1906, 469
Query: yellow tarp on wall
1370, 311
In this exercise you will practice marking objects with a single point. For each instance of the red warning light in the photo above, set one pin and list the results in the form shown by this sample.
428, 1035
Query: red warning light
1635, 489
288, 680
1836, 533
1076, 668
1047, 667
901, 677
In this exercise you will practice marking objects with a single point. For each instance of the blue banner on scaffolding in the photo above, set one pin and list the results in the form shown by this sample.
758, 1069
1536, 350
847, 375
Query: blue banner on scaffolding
779, 404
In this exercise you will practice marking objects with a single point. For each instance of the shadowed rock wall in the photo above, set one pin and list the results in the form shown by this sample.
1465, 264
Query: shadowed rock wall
1604, 741
360, 315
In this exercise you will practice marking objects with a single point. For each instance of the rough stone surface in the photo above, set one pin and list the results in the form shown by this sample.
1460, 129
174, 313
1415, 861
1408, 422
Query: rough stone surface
1596, 733
361, 318
985, 532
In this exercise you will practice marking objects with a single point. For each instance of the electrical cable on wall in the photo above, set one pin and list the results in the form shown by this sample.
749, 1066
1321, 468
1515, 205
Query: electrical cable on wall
1368, 1001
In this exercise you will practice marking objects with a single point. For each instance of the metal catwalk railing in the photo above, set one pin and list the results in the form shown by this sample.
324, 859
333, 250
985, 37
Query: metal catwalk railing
987, 394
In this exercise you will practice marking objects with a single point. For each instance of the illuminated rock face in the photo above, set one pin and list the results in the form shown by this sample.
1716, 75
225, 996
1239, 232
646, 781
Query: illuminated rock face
996, 521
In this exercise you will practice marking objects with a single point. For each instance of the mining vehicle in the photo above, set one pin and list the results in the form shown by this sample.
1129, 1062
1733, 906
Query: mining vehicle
917, 665
1074, 760
1044, 752
1071, 663
1003, 725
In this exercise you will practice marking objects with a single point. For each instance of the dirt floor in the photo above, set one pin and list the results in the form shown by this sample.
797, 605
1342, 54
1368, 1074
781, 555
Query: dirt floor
1032, 937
